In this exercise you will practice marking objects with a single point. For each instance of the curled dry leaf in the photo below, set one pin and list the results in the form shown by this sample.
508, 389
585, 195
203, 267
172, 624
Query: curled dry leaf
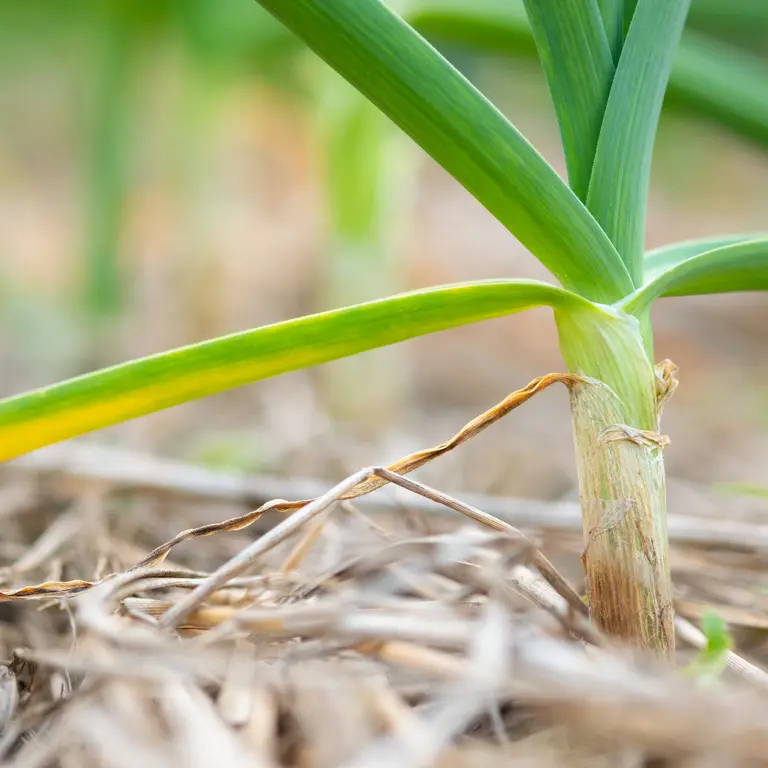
373, 482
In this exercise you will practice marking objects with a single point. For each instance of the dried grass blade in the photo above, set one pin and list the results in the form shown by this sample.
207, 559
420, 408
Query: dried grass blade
373, 481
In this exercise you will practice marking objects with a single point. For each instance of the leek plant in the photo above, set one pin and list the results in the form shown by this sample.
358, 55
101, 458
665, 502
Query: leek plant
607, 80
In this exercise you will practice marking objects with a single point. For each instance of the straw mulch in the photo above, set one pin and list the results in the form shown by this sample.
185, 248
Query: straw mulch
408, 629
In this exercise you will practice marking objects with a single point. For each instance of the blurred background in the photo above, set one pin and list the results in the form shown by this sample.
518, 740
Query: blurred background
181, 169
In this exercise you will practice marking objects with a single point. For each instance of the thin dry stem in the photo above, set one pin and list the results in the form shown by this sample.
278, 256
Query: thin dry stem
133, 471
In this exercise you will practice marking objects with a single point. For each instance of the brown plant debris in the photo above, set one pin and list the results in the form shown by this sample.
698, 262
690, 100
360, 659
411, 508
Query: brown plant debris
344, 636
633, 435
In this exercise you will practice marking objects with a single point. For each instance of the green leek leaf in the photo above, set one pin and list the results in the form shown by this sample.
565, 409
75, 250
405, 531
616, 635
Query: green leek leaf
738, 267
618, 188
435, 105
661, 259
578, 65
136, 388
612, 12
630, 6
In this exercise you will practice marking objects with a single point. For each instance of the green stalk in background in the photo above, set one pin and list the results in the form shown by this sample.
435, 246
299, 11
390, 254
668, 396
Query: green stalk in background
363, 163
213, 39
196, 120
593, 244
107, 182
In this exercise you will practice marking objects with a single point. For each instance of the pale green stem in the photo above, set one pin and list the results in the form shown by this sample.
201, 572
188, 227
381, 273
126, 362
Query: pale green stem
621, 477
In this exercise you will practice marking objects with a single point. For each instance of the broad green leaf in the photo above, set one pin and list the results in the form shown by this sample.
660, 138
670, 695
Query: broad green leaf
612, 12
738, 267
661, 259
114, 395
436, 106
618, 189
578, 65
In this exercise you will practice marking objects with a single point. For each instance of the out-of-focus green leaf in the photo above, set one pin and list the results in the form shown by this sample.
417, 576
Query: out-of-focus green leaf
419, 90
618, 188
237, 35
577, 61
667, 256
114, 395
499, 26
744, 489
109, 147
735, 17
738, 267
353, 135
722, 82
364, 161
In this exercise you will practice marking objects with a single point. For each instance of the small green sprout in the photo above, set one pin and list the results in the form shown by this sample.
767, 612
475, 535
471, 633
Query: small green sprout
710, 661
